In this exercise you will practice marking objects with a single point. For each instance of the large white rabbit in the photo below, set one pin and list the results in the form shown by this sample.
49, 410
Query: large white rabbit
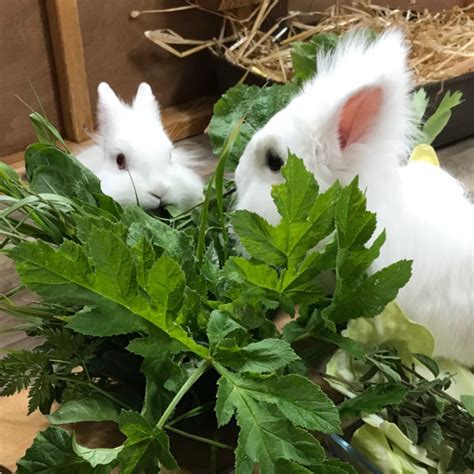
134, 158
354, 118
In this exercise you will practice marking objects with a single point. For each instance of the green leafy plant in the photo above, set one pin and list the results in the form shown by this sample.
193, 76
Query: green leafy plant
145, 307
164, 325
404, 395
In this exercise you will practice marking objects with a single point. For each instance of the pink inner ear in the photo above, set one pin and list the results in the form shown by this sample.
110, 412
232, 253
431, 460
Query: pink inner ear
358, 115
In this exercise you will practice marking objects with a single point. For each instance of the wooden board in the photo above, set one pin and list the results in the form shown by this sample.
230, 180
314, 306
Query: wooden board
26, 61
63, 20
123, 57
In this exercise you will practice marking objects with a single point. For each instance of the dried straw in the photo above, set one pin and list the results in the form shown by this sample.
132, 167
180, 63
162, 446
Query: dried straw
442, 43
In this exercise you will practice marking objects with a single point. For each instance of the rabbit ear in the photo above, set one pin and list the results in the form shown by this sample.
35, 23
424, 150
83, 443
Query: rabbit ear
365, 88
358, 115
145, 100
108, 103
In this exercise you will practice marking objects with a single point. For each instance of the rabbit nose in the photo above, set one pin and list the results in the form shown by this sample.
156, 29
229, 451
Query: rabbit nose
159, 191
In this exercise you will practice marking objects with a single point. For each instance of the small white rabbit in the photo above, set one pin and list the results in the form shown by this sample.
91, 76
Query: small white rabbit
354, 118
134, 158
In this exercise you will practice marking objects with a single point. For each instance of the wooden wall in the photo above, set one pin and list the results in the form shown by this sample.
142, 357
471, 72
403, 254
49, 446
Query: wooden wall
26, 61
115, 50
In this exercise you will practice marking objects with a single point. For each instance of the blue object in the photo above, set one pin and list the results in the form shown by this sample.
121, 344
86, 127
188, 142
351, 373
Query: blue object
342, 450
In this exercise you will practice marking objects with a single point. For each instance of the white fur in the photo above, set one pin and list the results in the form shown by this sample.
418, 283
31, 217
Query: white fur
156, 170
425, 211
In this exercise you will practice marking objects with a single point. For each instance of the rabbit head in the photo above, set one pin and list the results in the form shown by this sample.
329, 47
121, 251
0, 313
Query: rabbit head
137, 157
352, 119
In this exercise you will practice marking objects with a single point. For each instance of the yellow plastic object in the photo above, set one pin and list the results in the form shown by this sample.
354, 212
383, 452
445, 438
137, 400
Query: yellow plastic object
425, 153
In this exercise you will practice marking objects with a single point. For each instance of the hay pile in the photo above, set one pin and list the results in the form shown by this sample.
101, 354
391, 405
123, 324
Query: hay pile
442, 43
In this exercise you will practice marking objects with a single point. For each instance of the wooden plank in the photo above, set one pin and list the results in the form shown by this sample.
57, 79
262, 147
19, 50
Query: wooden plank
189, 119
180, 121
68, 51
27, 66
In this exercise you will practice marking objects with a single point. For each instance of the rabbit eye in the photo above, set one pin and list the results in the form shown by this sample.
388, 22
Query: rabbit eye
121, 161
274, 162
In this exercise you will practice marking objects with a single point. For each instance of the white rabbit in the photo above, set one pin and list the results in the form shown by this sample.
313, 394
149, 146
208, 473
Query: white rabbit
134, 158
354, 118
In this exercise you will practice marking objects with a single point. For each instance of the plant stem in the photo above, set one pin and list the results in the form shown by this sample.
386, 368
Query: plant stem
182, 391
199, 438
97, 389
193, 412
12, 292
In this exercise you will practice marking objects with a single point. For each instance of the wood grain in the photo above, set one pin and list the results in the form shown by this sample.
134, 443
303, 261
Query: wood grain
66, 38
27, 65
117, 51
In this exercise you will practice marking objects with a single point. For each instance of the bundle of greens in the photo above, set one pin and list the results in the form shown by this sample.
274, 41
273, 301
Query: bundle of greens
134, 311
164, 325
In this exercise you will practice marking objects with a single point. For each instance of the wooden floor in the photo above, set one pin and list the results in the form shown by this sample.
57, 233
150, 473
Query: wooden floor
458, 159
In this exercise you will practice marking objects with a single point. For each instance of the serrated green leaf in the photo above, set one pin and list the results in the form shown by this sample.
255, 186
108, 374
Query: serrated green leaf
258, 274
372, 400
255, 234
93, 408
146, 448
52, 452
263, 356
354, 224
307, 218
294, 198
370, 297
165, 285
221, 326
100, 273
264, 438
178, 245
298, 399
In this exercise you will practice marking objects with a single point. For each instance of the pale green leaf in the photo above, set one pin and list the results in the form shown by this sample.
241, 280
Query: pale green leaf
96, 456
419, 104
92, 408
468, 402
